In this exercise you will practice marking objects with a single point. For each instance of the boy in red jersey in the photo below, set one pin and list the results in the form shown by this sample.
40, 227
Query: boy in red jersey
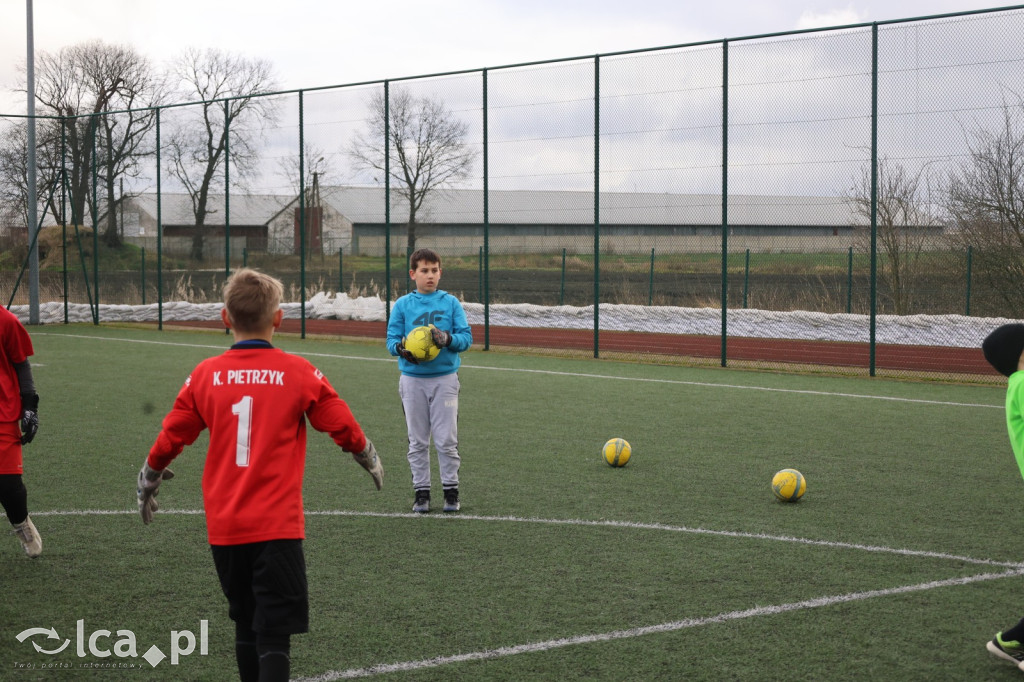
19, 421
255, 400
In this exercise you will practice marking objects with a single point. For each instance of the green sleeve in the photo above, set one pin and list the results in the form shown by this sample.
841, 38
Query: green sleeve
1015, 416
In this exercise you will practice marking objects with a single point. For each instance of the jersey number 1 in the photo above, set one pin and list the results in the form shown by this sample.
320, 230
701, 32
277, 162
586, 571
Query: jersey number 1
243, 410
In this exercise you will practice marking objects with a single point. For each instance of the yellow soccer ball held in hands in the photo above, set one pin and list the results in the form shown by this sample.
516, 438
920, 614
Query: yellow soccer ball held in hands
421, 344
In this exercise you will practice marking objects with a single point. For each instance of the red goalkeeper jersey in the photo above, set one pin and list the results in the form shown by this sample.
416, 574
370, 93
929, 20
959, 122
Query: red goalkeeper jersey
254, 399
17, 347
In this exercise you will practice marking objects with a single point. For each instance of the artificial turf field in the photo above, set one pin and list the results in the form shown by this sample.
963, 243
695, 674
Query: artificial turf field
901, 560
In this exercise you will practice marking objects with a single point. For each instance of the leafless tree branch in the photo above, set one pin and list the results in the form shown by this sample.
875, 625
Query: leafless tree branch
427, 144
228, 121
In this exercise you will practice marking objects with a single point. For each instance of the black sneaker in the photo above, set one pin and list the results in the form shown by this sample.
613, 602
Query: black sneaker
422, 503
1008, 650
451, 500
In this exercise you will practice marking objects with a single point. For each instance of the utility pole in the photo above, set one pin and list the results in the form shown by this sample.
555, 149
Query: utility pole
33, 222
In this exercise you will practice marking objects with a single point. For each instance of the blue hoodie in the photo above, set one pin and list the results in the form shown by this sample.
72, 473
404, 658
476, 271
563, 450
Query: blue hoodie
440, 309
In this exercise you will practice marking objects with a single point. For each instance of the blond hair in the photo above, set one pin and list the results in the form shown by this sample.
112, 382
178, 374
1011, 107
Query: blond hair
251, 299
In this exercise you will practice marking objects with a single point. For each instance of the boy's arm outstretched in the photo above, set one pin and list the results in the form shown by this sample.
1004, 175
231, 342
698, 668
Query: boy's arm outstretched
332, 415
181, 427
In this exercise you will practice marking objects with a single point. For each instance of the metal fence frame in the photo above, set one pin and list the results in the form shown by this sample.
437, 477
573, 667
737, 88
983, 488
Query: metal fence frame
486, 76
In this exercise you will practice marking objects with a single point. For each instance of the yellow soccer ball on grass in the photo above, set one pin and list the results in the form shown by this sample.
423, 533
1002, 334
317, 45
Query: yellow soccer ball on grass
789, 485
421, 344
616, 452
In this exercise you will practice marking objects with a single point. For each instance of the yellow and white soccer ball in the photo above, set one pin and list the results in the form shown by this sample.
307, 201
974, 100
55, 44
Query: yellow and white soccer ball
421, 344
616, 452
789, 485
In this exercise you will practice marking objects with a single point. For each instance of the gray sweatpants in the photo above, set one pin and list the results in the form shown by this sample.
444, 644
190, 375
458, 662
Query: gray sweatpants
431, 406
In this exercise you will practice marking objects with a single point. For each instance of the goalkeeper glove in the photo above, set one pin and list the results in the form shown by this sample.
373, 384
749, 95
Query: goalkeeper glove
442, 339
369, 460
407, 354
148, 487
29, 416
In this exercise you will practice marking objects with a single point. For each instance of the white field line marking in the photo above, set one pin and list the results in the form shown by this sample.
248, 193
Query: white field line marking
582, 375
592, 523
1015, 569
749, 388
672, 626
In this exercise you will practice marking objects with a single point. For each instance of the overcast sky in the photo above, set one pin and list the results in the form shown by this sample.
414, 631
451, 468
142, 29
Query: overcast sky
332, 42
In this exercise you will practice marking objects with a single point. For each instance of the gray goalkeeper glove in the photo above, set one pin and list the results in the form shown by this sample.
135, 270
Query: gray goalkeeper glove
369, 460
148, 487
442, 339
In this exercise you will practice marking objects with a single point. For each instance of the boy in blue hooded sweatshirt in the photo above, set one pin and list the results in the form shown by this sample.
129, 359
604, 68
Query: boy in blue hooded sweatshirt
430, 389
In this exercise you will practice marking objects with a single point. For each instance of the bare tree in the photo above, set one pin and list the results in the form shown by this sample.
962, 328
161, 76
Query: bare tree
228, 120
14, 176
426, 143
985, 201
319, 172
318, 167
904, 218
124, 136
79, 84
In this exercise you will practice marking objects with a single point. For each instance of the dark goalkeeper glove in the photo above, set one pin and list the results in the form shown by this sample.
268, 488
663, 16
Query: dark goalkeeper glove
369, 460
148, 487
407, 354
442, 339
29, 416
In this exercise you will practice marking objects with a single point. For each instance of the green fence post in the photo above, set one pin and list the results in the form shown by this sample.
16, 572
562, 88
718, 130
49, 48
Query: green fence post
487, 220
967, 307
95, 227
341, 279
302, 216
650, 282
387, 202
227, 194
143, 275
849, 280
725, 203
561, 292
64, 241
245, 256
597, 204
873, 328
159, 235
63, 205
480, 274
746, 277
408, 255
227, 197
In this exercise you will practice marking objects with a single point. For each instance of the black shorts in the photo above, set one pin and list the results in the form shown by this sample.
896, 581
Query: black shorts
265, 584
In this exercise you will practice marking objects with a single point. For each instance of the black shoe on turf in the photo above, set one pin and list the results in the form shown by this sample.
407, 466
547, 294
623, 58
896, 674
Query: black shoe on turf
451, 500
1008, 650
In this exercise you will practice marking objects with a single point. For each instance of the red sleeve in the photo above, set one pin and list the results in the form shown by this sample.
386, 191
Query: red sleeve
181, 427
15, 347
330, 414
17, 342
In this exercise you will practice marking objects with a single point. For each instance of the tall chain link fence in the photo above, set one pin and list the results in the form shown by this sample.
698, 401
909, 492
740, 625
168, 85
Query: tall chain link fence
848, 199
